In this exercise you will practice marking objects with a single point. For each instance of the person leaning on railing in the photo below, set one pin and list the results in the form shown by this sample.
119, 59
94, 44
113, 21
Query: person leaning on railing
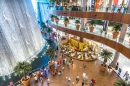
125, 8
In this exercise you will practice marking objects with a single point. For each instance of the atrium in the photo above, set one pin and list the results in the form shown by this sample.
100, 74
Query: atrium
64, 42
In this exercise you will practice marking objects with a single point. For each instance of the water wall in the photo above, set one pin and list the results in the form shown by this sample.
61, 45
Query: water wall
20, 36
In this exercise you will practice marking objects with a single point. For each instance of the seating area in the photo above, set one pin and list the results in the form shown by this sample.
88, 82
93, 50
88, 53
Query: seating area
83, 51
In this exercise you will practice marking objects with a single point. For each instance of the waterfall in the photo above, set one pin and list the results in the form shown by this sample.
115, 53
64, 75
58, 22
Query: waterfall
20, 36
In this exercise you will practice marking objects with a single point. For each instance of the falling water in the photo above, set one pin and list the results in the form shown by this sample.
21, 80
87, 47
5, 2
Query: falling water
20, 36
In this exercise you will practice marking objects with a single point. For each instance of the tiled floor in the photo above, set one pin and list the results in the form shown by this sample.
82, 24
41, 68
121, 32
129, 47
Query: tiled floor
92, 70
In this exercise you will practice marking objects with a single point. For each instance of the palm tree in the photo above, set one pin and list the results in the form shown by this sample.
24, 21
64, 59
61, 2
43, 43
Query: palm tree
121, 82
22, 68
50, 52
117, 27
106, 55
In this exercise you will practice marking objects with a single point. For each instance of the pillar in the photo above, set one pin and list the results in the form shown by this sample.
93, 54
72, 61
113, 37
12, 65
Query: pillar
121, 38
110, 5
128, 6
83, 20
81, 39
105, 26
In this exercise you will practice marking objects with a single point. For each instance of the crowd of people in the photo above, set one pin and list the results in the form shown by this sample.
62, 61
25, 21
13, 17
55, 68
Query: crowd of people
122, 8
57, 69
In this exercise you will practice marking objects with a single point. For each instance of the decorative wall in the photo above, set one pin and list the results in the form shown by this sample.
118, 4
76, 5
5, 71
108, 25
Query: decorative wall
43, 11
20, 36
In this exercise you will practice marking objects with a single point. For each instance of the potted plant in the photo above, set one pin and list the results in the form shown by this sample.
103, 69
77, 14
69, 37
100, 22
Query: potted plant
92, 24
66, 21
52, 17
121, 82
77, 23
50, 52
106, 55
23, 68
56, 20
116, 29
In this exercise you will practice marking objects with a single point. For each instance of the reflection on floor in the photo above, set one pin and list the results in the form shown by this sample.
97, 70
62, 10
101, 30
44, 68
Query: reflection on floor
92, 70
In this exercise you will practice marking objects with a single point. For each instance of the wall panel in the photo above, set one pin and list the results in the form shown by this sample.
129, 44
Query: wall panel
100, 16
119, 47
126, 18
117, 17
126, 52
96, 38
85, 14
73, 13
103, 40
108, 16
92, 15
111, 43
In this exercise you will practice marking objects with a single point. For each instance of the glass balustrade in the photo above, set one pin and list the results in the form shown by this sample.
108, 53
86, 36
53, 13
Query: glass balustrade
96, 32
91, 9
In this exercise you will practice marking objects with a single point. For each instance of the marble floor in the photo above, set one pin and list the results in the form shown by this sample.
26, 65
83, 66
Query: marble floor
92, 70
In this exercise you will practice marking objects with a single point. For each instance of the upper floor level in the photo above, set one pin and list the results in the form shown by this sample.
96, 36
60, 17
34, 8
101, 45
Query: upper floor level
115, 17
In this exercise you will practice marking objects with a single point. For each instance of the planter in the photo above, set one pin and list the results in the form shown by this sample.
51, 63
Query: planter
65, 23
52, 19
103, 68
27, 82
115, 34
91, 29
51, 64
57, 21
77, 27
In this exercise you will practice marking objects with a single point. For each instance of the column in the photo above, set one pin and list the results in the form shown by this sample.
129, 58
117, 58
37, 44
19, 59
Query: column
121, 38
105, 27
83, 6
83, 20
110, 5
128, 6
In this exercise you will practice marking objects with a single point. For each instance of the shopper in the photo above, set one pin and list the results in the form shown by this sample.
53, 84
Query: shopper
11, 83
119, 8
116, 68
126, 73
48, 81
35, 78
119, 71
82, 83
127, 77
77, 78
109, 67
92, 82
107, 6
84, 64
73, 84
69, 80
125, 8
113, 8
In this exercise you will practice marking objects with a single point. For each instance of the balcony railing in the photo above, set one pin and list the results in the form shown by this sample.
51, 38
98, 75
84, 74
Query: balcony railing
114, 9
96, 32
